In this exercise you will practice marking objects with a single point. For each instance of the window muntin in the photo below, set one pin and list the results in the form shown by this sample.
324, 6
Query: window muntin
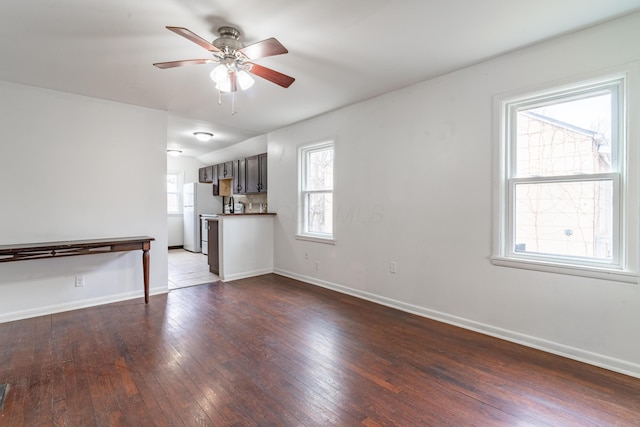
564, 176
316, 191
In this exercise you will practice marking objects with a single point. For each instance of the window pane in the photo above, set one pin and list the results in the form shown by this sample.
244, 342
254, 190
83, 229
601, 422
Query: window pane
320, 169
565, 138
172, 202
565, 218
172, 183
319, 213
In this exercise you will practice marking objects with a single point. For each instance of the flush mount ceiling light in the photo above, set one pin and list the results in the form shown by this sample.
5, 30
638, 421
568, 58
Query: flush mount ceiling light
234, 61
174, 152
203, 136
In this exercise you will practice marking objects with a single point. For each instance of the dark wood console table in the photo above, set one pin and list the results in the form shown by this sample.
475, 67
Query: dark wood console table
26, 251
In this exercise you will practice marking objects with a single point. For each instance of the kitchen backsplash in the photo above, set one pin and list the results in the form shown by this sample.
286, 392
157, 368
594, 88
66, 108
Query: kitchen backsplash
251, 201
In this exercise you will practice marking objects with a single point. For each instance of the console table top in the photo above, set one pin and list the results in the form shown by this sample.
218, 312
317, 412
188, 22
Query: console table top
86, 243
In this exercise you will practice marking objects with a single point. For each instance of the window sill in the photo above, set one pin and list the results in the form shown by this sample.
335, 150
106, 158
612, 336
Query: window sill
326, 241
572, 270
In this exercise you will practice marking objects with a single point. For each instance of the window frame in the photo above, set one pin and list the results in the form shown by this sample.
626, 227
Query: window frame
623, 266
303, 212
178, 192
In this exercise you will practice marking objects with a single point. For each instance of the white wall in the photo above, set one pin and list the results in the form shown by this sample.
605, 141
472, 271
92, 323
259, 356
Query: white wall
187, 168
249, 147
414, 185
78, 168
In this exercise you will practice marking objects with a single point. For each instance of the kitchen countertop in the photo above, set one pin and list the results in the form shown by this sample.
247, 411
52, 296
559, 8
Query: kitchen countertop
247, 214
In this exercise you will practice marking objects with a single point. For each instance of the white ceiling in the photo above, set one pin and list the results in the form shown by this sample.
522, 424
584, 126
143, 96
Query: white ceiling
340, 51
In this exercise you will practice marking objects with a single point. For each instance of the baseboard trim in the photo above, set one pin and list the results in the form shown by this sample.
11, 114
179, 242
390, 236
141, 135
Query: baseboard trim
245, 274
580, 355
76, 305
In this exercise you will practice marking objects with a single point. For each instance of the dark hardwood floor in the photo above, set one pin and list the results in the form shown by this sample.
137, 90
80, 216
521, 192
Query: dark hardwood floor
271, 351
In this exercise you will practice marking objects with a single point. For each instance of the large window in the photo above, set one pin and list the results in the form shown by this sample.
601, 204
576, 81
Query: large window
562, 177
316, 192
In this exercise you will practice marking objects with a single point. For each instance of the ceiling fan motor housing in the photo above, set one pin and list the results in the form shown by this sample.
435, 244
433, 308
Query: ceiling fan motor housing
229, 40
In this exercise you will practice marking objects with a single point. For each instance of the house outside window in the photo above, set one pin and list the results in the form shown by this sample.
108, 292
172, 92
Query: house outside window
316, 202
563, 162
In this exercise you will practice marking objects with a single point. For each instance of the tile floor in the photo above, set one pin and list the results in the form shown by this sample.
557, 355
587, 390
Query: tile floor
188, 269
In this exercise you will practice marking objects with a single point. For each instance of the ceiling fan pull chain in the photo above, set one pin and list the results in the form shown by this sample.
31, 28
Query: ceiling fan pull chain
233, 103
219, 97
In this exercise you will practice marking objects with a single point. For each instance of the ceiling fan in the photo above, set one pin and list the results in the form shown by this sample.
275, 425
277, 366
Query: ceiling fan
234, 59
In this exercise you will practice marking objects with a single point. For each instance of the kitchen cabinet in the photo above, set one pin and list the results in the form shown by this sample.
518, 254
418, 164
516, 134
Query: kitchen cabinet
213, 247
249, 175
256, 172
225, 170
239, 177
214, 180
205, 174
263, 172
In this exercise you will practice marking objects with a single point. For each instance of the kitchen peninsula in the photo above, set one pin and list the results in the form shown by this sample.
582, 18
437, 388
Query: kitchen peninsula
240, 245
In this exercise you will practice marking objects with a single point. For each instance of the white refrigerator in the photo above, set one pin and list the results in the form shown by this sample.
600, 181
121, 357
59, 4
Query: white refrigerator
197, 199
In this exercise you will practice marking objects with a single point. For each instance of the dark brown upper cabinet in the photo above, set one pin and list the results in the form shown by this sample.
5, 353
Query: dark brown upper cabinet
214, 180
225, 170
205, 174
256, 170
263, 172
239, 177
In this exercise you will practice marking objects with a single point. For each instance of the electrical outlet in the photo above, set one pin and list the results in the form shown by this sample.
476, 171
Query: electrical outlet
317, 265
393, 267
79, 281
306, 255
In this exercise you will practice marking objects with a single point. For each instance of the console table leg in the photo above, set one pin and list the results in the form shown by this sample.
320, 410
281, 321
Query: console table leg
145, 269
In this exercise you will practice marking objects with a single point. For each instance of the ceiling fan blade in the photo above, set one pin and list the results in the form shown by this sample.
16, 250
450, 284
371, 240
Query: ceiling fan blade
268, 47
194, 38
269, 74
174, 64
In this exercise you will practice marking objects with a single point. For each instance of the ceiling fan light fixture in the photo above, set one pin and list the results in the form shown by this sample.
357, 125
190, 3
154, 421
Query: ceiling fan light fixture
220, 73
224, 86
203, 136
245, 81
